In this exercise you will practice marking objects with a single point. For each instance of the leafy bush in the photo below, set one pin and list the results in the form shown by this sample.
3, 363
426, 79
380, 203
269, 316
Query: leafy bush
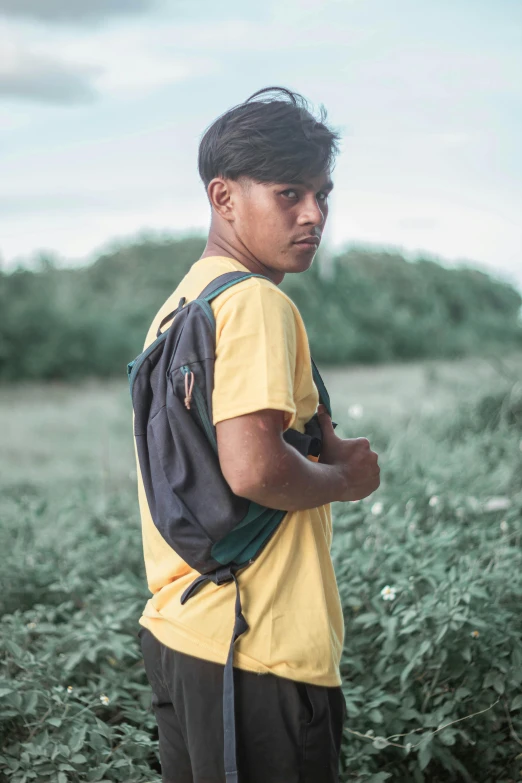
446, 646
431, 584
375, 306
75, 699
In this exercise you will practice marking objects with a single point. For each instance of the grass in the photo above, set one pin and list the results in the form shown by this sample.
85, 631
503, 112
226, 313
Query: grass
65, 434
73, 584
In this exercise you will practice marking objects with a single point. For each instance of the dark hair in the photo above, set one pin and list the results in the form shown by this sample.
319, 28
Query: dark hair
269, 140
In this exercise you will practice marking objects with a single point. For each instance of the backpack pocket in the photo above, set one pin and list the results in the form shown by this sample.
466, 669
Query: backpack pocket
195, 397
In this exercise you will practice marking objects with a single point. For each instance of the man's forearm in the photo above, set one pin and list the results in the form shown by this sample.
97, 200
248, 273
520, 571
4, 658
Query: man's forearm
292, 482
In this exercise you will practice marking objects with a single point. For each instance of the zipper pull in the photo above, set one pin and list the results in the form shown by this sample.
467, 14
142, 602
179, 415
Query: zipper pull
188, 389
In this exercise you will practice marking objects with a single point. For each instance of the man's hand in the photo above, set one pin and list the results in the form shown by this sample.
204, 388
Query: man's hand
260, 465
353, 458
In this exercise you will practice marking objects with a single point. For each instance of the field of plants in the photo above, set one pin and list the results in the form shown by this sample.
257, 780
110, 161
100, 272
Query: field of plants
429, 570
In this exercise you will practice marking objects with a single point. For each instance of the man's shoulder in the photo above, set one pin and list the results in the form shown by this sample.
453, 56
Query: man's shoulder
267, 295
270, 296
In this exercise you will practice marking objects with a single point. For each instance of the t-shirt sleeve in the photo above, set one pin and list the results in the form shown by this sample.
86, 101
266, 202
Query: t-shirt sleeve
255, 354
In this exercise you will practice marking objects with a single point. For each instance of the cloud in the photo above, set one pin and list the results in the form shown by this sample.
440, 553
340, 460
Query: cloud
72, 10
69, 68
34, 203
417, 223
35, 77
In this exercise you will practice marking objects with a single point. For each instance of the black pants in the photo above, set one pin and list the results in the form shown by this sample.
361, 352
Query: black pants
287, 731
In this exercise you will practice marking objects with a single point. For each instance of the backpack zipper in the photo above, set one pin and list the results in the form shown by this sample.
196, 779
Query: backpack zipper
201, 409
134, 366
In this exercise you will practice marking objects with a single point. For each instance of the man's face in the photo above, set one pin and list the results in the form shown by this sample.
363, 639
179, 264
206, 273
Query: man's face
272, 220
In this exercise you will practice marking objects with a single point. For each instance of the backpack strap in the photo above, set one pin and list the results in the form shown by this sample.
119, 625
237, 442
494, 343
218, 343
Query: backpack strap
227, 280
324, 397
221, 576
214, 288
221, 283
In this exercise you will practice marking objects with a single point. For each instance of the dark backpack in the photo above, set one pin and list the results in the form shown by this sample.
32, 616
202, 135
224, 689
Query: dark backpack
213, 530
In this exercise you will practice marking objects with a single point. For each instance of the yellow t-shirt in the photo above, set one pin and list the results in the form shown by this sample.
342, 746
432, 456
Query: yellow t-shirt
289, 594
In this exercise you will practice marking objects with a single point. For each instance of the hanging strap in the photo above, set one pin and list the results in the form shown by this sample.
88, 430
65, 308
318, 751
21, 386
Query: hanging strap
221, 576
215, 287
229, 718
171, 315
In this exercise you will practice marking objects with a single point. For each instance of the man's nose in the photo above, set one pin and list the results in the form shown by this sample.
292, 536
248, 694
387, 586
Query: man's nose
311, 213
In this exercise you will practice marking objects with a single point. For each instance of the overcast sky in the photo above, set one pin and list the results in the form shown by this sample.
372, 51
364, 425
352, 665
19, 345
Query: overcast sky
103, 103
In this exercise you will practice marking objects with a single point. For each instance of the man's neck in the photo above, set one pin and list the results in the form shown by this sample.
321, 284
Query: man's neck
218, 246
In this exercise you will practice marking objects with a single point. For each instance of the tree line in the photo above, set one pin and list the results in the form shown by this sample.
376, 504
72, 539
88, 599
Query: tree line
363, 306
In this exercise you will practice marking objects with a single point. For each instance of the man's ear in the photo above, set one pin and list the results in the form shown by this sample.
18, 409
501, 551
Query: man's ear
221, 196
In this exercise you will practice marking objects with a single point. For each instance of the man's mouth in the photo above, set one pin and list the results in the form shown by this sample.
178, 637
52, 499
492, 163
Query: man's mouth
311, 241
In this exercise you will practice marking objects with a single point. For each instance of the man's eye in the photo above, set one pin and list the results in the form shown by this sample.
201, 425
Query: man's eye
293, 194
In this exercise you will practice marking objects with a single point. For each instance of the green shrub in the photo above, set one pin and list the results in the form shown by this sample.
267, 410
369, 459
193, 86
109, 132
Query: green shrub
75, 700
432, 667
448, 644
373, 307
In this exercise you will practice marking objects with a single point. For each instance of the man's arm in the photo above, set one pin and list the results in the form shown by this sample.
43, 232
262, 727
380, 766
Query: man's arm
258, 464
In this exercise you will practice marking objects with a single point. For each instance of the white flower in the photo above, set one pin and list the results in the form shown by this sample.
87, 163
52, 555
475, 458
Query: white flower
473, 503
31, 625
504, 526
377, 508
69, 688
355, 411
433, 501
497, 504
388, 593
104, 699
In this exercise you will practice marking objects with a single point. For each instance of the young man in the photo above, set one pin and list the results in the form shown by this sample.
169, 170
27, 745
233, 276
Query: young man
266, 167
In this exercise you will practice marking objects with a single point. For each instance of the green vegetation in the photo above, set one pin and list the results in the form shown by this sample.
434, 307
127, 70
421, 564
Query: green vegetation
371, 307
443, 532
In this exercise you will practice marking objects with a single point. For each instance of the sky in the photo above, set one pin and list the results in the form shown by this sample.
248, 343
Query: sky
103, 104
